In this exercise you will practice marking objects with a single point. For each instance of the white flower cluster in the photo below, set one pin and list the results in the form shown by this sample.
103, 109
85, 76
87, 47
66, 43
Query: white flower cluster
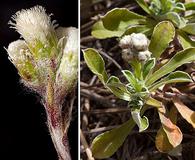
135, 46
45, 51
33, 24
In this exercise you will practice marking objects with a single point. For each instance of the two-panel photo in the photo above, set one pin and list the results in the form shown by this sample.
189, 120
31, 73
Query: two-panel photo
97, 80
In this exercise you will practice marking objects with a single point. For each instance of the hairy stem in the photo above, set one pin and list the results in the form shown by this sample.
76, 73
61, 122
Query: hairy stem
56, 129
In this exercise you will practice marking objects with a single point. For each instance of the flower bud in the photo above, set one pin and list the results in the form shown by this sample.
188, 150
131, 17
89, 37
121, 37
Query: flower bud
144, 55
139, 41
66, 76
127, 54
125, 42
20, 56
36, 28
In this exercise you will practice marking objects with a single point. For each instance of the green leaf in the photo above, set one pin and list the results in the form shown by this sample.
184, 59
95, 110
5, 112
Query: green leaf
155, 7
148, 66
118, 88
120, 19
137, 68
184, 40
163, 34
100, 32
142, 122
174, 77
182, 57
174, 18
153, 102
144, 6
179, 7
130, 77
189, 28
95, 63
114, 81
190, 6
147, 30
106, 144
132, 80
167, 5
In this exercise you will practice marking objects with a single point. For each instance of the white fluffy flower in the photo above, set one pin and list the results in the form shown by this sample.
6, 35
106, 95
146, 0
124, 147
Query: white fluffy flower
18, 51
135, 41
139, 41
144, 55
66, 75
125, 42
45, 52
135, 46
33, 24
20, 56
71, 36
127, 54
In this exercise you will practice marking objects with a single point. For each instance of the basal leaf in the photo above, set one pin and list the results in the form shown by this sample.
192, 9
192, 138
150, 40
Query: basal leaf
121, 19
106, 144
100, 32
95, 63
173, 133
174, 77
185, 112
161, 141
169, 135
163, 34
182, 57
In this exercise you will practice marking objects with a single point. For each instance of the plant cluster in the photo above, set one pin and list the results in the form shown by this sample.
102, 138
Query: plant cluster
165, 23
46, 59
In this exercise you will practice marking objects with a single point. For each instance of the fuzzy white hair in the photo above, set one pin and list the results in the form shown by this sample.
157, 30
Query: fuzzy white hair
18, 51
33, 24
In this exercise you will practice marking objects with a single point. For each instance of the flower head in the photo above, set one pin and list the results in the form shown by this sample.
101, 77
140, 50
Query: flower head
47, 56
21, 57
139, 41
33, 24
66, 75
135, 41
135, 46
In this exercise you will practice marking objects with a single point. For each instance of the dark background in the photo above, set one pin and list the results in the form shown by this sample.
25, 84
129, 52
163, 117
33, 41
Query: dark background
23, 131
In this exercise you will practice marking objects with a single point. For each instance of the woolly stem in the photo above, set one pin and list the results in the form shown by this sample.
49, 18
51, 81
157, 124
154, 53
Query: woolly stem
59, 138
56, 124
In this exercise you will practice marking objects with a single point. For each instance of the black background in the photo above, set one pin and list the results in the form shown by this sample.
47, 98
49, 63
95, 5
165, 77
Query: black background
23, 131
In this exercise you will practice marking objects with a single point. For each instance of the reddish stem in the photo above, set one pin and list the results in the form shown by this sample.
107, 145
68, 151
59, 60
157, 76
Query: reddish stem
56, 129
